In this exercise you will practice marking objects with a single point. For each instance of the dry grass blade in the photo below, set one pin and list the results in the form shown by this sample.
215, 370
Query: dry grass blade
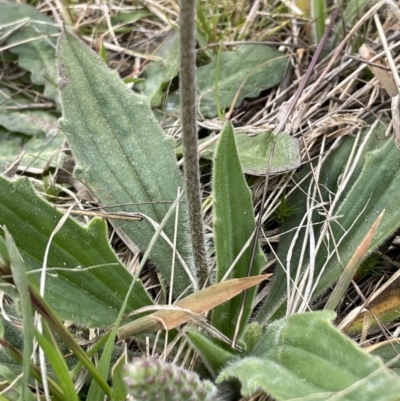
116, 216
380, 71
199, 302
351, 268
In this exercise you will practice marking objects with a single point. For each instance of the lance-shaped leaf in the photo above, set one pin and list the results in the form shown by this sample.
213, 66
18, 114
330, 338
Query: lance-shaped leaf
86, 282
305, 357
234, 225
122, 153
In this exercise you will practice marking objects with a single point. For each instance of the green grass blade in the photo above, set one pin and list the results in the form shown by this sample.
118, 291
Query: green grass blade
56, 359
318, 15
214, 356
55, 323
34, 371
95, 391
11, 377
22, 283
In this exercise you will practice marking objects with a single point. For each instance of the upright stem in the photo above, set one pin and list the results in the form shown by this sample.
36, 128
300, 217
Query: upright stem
187, 28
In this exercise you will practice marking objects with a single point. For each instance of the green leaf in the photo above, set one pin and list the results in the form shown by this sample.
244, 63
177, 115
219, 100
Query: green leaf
41, 126
50, 347
371, 188
234, 224
56, 324
388, 352
10, 147
24, 120
214, 356
122, 153
40, 151
248, 70
122, 19
33, 42
318, 16
119, 390
254, 152
21, 282
95, 391
305, 357
158, 73
13, 392
92, 281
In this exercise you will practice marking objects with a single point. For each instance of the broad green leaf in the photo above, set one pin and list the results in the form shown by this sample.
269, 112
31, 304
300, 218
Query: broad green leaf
37, 52
373, 186
122, 153
305, 357
85, 282
159, 73
234, 224
39, 151
245, 72
254, 152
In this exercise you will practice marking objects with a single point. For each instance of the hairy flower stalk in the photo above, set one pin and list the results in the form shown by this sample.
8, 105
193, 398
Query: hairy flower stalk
189, 135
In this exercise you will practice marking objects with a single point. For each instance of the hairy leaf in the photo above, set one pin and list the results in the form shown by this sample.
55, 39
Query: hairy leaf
234, 224
85, 282
123, 155
305, 357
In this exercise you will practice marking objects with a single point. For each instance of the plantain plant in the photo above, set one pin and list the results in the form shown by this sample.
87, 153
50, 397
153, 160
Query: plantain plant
70, 271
